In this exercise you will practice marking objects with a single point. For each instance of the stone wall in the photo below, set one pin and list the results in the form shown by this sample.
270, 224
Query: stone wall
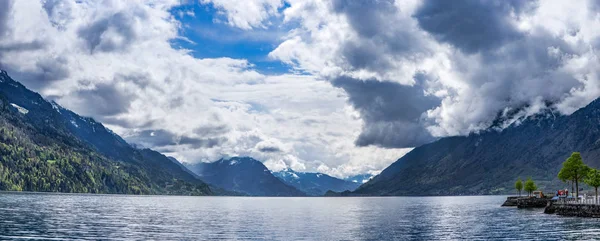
525, 202
574, 210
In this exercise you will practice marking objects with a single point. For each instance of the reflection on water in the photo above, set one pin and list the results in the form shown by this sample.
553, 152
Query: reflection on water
61, 216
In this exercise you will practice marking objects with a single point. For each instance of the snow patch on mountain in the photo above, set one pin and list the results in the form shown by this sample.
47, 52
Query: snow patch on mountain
20, 109
55, 106
74, 123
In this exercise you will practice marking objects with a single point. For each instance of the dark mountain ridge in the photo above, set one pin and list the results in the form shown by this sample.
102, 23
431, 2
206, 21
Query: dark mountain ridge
244, 175
489, 162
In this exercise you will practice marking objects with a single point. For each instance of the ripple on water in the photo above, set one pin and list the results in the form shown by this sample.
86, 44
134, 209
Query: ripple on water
81, 217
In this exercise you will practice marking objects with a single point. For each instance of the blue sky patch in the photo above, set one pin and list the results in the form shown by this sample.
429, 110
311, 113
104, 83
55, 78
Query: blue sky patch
207, 35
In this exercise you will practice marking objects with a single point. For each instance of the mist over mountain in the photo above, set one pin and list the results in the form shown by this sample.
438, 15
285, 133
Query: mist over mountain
489, 162
245, 175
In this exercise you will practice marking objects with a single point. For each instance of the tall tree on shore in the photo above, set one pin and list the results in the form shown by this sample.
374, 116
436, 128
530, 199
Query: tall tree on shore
562, 177
574, 170
530, 186
519, 186
593, 180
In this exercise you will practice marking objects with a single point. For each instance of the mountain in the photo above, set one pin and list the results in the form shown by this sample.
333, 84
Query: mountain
360, 179
491, 161
43, 141
314, 184
244, 175
217, 191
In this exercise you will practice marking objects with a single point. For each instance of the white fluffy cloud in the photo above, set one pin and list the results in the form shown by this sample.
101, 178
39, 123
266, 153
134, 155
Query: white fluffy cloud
247, 14
113, 60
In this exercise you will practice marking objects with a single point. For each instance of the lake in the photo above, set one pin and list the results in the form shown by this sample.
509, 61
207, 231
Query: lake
70, 216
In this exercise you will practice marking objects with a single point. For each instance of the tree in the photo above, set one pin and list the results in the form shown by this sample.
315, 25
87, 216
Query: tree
574, 170
593, 180
530, 186
563, 176
519, 186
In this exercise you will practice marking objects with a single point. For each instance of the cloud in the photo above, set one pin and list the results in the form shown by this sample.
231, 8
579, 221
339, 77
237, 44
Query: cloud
472, 25
374, 22
212, 129
165, 139
363, 50
368, 77
247, 14
6, 7
479, 59
114, 61
268, 146
391, 112
111, 33
107, 100
60, 12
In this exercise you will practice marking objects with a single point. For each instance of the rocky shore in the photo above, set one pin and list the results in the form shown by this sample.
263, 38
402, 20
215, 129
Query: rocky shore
573, 210
510, 202
525, 202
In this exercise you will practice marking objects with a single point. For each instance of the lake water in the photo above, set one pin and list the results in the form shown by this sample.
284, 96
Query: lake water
63, 216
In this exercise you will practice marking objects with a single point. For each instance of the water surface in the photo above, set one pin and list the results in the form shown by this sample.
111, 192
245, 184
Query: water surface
116, 217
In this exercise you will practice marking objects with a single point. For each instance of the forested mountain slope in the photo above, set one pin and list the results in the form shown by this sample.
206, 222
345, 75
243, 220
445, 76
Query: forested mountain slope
46, 147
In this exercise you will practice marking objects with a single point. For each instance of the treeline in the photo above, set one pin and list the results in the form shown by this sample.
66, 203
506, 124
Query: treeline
27, 166
573, 171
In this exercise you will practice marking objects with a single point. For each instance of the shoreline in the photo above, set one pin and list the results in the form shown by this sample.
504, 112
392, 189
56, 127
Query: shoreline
583, 210
166, 195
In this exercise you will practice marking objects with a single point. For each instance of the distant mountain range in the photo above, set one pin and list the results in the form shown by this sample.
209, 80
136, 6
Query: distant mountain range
491, 161
245, 175
45, 147
315, 184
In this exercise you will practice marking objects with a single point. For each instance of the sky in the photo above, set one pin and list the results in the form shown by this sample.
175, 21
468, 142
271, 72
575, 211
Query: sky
342, 87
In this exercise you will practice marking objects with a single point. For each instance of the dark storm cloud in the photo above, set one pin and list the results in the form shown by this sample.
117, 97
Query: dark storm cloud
162, 138
140, 79
471, 25
5, 9
391, 112
513, 69
104, 100
366, 16
594, 5
46, 71
212, 130
269, 149
35, 79
58, 12
95, 34
54, 69
525, 69
381, 34
26, 46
